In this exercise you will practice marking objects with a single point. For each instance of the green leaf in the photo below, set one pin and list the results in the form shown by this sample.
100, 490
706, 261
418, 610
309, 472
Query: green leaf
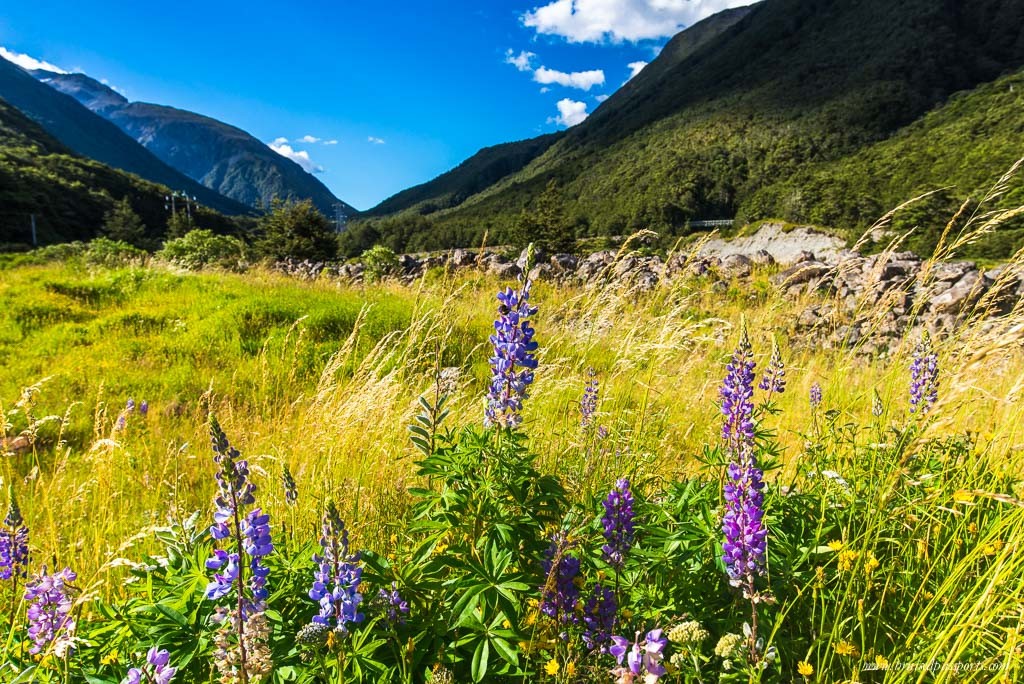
478, 667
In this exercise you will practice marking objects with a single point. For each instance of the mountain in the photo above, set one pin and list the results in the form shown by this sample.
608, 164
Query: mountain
749, 101
224, 158
92, 136
69, 194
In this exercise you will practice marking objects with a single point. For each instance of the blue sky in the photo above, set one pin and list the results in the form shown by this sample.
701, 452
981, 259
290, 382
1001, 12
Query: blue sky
373, 97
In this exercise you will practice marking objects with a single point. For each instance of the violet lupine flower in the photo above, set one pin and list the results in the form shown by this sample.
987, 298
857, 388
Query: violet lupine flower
774, 378
618, 524
744, 547
144, 408
815, 396
599, 617
157, 672
398, 607
13, 542
49, 610
513, 362
560, 593
737, 395
924, 376
337, 576
641, 657
247, 533
588, 405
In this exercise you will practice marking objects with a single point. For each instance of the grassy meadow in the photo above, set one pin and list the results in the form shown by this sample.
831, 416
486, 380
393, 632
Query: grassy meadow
910, 553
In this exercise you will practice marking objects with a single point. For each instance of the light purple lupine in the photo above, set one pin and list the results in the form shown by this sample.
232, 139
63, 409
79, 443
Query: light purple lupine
13, 542
924, 376
588, 404
815, 396
156, 671
244, 532
617, 524
397, 606
336, 576
513, 362
774, 379
642, 657
599, 614
744, 547
49, 610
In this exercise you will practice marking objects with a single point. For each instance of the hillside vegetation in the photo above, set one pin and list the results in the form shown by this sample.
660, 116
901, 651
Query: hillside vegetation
786, 93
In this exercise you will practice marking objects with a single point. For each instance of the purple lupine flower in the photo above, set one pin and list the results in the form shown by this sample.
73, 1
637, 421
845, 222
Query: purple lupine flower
743, 550
815, 396
618, 524
337, 576
13, 542
398, 607
737, 395
156, 671
129, 407
588, 404
774, 379
144, 408
641, 657
924, 376
599, 617
246, 533
513, 362
49, 610
560, 593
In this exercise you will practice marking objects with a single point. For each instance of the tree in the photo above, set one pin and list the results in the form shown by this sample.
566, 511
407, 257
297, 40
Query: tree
296, 230
123, 224
179, 225
545, 224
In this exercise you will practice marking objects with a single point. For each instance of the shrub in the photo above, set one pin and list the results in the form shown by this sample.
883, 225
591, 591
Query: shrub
297, 230
113, 253
200, 248
378, 262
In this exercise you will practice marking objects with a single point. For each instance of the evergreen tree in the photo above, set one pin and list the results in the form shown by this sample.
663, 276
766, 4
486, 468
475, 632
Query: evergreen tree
297, 230
122, 223
545, 224
179, 225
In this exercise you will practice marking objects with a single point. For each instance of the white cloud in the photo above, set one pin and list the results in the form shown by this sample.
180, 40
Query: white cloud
635, 68
308, 139
332, 141
375, 140
300, 157
601, 98
523, 61
28, 62
570, 112
584, 80
279, 141
595, 21
545, 89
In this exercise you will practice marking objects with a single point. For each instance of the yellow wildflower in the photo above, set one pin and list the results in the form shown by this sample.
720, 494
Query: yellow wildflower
881, 661
552, 667
846, 559
845, 648
972, 528
570, 668
109, 658
836, 545
870, 564
805, 668
627, 613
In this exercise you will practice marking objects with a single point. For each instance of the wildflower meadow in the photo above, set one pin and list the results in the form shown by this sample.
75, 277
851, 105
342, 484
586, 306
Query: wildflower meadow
549, 485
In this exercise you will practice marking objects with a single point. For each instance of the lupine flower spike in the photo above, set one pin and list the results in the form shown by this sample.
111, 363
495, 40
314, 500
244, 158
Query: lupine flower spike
618, 524
599, 613
743, 526
397, 607
774, 379
13, 542
642, 658
560, 594
924, 376
291, 490
815, 396
336, 577
49, 612
513, 362
156, 670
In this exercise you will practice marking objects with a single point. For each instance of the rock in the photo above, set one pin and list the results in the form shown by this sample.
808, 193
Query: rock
408, 263
951, 271
565, 263
801, 273
542, 272
736, 266
803, 256
505, 271
645, 280
763, 257
461, 258
783, 243
538, 257
958, 297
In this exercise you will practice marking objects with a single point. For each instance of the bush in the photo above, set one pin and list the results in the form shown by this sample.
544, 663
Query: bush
378, 262
113, 253
200, 248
